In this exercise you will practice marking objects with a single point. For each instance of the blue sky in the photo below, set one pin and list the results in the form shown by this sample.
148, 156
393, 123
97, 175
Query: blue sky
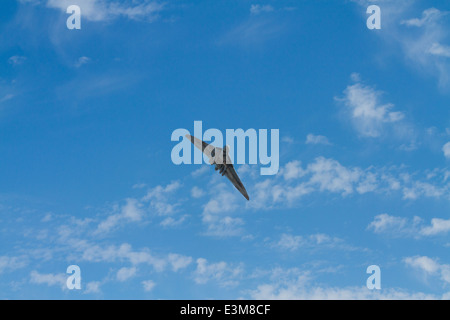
86, 177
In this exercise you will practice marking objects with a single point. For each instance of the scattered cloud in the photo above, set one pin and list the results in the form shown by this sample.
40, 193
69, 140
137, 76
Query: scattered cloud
148, 285
92, 287
125, 273
368, 114
299, 292
404, 227
446, 150
81, 61
49, 279
172, 222
16, 60
258, 8
221, 272
315, 241
429, 267
6, 97
217, 211
178, 261
102, 10
297, 284
293, 170
439, 50
130, 212
429, 16
316, 139
8, 263
159, 198
295, 181
196, 192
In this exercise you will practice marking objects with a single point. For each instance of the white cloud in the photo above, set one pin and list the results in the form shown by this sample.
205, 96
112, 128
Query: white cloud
368, 114
293, 170
437, 226
316, 139
6, 97
216, 212
295, 181
81, 61
93, 287
256, 30
298, 292
404, 227
17, 60
96, 253
258, 9
49, 279
8, 263
148, 285
429, 267
139, 185
428, 16
314, 241
439, 50
419, 188
287, 139
159, 198
178, 261
330, 175
297, 284
422, 40
196, 192
131, 211
102, 10
446, 150
384, 222
172, 222
125, 273
221, 272
200, 171
355, 76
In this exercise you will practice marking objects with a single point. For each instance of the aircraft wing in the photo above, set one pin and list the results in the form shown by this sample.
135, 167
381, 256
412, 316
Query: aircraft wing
214, 154
231, 174
206, 148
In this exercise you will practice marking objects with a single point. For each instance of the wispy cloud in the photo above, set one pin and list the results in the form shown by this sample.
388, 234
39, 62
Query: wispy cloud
148, 285
125, 273
368, 114
446, 150
159, 198
296, 181
408, 227
429, 267
297, 284
316, 139
314, 241
49, 279
222, 273
8, 263
130, 212
258, 8
102, 10
422, 39
429, 16
440, 50
17, 60
81, 61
